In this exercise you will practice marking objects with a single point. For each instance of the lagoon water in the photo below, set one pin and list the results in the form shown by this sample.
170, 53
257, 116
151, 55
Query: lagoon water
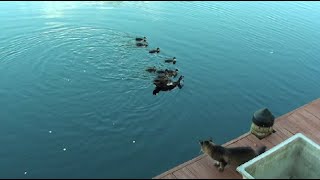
76, 101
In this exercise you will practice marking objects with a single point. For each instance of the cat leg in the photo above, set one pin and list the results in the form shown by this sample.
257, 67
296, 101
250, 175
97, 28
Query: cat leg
217, 163
222, 165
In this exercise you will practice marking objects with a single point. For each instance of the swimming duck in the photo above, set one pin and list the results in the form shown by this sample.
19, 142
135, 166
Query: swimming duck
173, 60
167, 86
151, 69
142, 44
155, 50
172, 73
141, 39
161, 80
169, 73
161, 71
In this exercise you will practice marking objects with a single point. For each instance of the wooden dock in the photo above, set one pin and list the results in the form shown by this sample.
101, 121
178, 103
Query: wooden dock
305, 120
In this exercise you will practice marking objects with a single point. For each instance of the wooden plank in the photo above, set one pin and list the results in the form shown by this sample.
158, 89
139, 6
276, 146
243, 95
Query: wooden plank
259, 142
229, 171
246, 142
169, 176
237, 139
308, 120
312, 120
273, 138
184, 173
303, 124
305, 127
284, 131
234, 144
205, 169
180, 166
314, 108
289, 126
255, 141
280, 134
305, 106
282, 118
267, 143
201, 171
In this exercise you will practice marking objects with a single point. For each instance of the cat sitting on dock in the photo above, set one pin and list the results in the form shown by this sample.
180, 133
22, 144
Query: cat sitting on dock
229, 156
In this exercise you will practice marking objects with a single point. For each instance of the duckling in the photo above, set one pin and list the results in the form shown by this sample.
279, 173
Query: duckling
151, 69
161, 71
168, 73
168, 86
173, 60
141, 39
155, 50
161, 80
162, 76
142, 44
172, 73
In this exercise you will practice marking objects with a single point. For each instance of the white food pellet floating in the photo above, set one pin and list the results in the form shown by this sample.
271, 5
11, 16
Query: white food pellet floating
64, 149
25, 172
50, 132
133, 141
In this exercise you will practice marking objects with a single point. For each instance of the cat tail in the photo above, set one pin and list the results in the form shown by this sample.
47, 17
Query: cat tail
261, 150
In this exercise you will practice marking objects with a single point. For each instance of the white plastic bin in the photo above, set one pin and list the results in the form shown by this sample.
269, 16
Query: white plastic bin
296, 158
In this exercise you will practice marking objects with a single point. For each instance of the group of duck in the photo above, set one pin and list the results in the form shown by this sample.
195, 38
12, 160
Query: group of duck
163, 81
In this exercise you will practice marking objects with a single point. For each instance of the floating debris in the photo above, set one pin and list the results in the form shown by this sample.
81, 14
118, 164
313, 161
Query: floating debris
50, 132
133, 142
67, 79
25, 172
64, 149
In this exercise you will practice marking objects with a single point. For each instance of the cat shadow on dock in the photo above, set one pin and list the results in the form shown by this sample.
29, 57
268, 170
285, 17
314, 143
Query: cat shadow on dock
234, 156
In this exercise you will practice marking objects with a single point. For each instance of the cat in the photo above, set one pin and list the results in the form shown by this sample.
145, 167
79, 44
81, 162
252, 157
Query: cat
229, 156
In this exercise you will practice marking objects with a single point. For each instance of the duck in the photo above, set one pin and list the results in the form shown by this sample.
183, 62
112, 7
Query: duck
167, 86
141, 39
155, 50
172, 73
161, 80
142, 44
151, 69
161, 71
168, 73
173, 60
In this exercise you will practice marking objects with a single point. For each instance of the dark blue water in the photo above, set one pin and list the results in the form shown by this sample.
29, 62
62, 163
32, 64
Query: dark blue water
76, 101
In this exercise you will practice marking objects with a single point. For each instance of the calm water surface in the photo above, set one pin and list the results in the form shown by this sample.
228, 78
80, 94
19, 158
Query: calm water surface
76, 101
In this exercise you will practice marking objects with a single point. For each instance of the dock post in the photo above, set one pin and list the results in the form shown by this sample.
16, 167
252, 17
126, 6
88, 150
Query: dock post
262, 123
